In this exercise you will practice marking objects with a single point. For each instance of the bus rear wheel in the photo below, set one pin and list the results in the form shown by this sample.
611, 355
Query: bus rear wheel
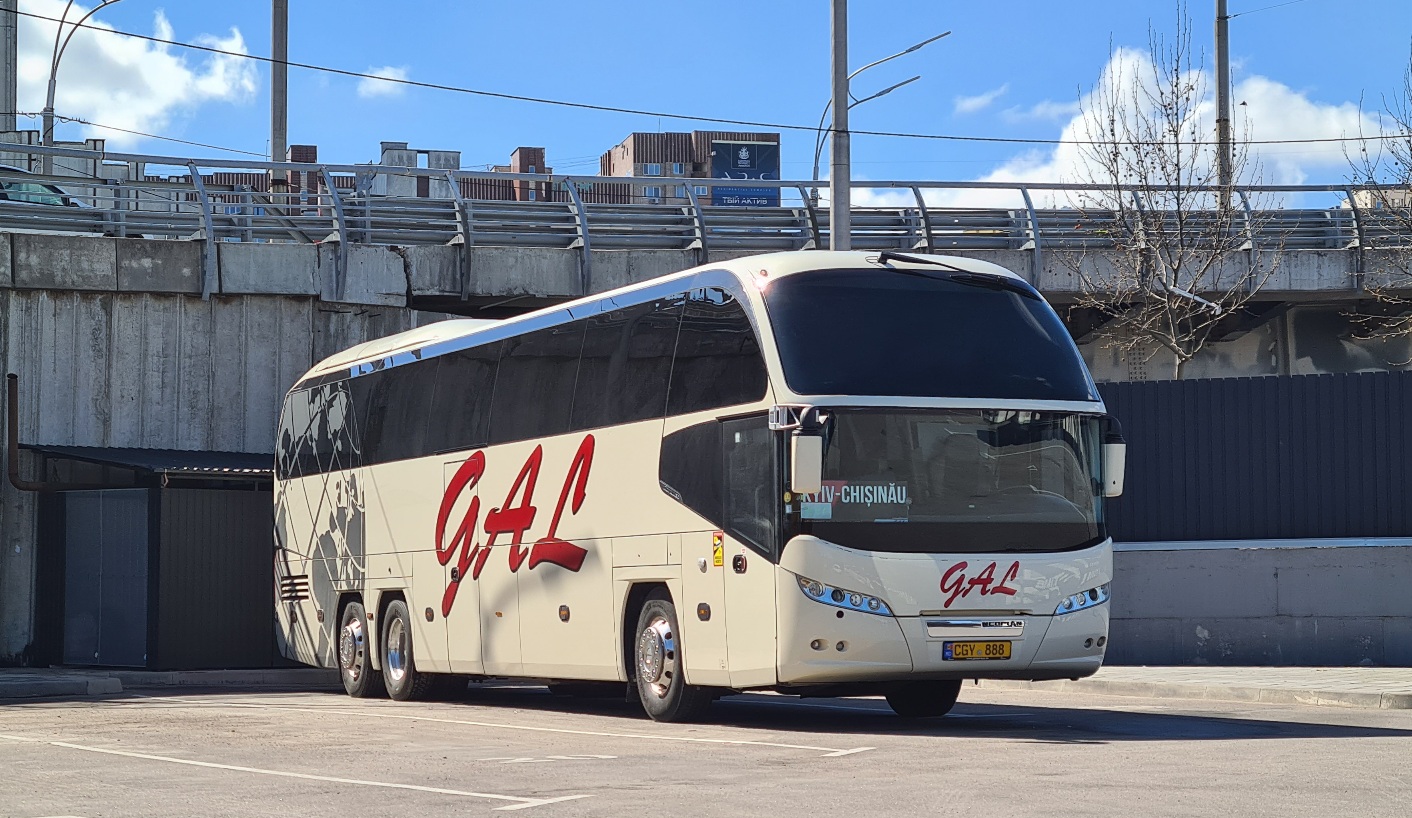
923, 699
355, 661
659, 665
403, 681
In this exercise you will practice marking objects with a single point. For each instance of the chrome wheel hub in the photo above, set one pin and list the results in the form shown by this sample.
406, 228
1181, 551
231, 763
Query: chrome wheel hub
397, 649
657, 656
351, 649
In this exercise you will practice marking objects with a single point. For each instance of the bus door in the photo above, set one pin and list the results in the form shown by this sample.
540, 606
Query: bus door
442, 576
752, 503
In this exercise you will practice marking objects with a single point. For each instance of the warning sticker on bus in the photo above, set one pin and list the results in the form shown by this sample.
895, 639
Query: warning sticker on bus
856, 501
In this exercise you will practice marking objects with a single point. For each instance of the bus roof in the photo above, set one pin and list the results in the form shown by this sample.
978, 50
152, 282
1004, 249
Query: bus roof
768, 265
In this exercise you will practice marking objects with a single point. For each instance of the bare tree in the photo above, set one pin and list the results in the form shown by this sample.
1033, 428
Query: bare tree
1383, 169
1164, 262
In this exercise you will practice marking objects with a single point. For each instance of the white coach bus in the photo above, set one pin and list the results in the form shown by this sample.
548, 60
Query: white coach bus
817, 473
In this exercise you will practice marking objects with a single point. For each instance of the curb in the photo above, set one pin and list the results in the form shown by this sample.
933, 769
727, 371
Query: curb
1233, 693
40, 683
42, 688
302, 678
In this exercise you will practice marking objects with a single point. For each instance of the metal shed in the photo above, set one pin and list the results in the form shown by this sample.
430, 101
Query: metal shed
155, 559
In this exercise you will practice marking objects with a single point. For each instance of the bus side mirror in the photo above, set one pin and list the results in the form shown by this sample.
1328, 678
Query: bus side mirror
806, 463
1115, 458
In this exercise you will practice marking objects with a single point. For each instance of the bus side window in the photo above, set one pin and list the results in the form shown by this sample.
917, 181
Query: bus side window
752, 489
627, 359
460, 406
690, 470
317, 432
396, 407
534, 388
718, 360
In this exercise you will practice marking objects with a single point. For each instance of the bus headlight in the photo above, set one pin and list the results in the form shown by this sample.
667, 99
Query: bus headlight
1093, 597
843, 598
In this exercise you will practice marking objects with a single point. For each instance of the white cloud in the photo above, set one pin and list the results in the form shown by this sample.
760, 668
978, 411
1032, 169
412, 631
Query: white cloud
979, 102
369, 88
124, 82
1271, 111
1046, 109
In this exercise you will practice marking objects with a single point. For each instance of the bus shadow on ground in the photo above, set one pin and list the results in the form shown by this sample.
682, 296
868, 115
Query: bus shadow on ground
871, 717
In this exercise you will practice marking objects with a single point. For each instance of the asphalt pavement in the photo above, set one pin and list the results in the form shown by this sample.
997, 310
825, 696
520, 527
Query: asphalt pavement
1383, 688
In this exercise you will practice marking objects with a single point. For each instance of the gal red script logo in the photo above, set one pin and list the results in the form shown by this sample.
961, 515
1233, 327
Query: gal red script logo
511, 517
956, 585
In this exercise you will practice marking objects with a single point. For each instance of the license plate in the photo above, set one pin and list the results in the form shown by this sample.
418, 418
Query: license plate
975, 650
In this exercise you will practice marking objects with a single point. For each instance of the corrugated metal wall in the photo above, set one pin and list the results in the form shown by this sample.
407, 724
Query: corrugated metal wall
1264, 458
215, 597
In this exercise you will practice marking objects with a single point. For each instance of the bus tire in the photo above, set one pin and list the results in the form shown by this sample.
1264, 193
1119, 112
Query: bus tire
355, 661
399, 675
659, 667
914, 700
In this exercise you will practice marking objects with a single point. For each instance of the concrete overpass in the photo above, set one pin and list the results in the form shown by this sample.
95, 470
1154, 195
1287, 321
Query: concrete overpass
185, 339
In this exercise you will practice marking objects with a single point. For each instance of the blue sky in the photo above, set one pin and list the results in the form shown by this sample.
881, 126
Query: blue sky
1012, 69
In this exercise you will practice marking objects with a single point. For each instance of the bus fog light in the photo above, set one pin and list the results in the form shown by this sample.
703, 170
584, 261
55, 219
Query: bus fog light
818, 644
841, 647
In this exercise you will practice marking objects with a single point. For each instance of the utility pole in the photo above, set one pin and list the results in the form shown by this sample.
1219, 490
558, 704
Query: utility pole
279, 90
1224, 158
840, 229
9, 76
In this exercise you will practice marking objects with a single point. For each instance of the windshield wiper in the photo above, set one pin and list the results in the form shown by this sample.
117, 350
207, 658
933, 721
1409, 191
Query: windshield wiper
994, 282
889, 255
959, 275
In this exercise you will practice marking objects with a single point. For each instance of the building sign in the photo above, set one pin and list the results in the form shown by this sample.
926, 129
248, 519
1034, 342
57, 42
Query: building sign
745, 161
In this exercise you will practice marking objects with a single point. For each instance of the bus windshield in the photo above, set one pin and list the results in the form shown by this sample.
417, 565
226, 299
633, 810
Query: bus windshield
907, 333
959, 481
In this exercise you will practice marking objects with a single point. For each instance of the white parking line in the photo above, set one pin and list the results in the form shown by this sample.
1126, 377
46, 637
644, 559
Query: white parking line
828, 752
519, 802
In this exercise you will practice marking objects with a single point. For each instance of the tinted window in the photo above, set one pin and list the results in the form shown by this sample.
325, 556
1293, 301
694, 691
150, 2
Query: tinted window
718, 361
396, 406
690, 470
534, 388
318, 432
887, 332
627, 360
460, 407
752, 493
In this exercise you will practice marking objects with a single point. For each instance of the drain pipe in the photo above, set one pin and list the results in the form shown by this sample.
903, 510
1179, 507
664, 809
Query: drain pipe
12, 444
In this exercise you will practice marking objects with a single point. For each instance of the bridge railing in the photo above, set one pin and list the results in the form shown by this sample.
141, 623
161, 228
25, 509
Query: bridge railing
238, 200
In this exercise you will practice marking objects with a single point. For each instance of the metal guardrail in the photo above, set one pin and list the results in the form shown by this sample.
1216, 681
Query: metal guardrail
373, 204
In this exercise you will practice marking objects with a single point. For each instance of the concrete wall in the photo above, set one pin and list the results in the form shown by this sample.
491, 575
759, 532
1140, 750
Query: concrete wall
1262, 605
114, 347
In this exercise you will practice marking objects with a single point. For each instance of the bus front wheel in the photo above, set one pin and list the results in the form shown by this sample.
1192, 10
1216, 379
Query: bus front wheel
355, 661
659, 667
923, 699
403, 681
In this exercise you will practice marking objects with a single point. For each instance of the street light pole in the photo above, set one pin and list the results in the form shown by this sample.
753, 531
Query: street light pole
819, 139
47, 135
1224, 159
820, 135
279, 90
840, 228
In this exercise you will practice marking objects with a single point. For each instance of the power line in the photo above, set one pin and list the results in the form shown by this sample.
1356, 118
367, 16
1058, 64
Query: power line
665, 115
1262, 8
81, 121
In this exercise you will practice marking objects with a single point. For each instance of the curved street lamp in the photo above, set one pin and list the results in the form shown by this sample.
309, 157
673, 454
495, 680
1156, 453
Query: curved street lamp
821, 135
47, 136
